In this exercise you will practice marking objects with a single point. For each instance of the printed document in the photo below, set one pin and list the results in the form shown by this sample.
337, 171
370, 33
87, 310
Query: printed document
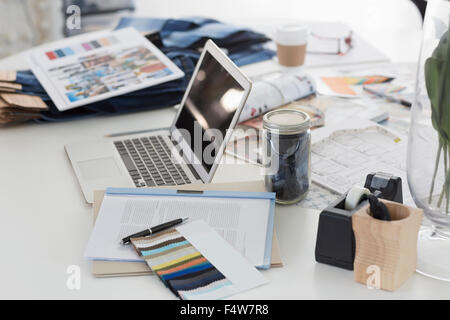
99, 65
243, 223
345, 156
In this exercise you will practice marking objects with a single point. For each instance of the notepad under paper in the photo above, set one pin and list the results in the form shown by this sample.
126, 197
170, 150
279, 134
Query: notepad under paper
195, 262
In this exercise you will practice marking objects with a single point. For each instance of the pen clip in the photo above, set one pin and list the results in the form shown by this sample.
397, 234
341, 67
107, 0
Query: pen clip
190, 191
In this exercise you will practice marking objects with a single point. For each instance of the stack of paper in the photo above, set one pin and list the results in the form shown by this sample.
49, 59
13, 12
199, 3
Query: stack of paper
16, 107
104, 268
244, 219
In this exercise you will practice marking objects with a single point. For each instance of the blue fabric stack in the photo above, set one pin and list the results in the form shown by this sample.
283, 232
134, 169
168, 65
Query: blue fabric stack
182, 42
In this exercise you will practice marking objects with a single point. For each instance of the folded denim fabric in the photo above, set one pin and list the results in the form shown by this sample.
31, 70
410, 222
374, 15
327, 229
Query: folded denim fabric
164, 26
29, 82
224, 35
193, 32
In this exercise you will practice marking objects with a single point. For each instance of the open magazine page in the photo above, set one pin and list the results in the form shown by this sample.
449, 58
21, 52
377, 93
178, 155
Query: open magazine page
99, 65
275, 90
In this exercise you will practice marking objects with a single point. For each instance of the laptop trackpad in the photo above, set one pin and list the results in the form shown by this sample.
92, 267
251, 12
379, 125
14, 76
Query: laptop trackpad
97, 169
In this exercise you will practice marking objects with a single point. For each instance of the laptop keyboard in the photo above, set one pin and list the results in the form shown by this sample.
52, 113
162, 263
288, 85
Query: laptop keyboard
149, 163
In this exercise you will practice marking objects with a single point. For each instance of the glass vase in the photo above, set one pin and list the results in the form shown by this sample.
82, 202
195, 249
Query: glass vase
428, 160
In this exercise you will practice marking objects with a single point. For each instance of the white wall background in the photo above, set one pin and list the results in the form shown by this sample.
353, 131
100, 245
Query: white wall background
394, 26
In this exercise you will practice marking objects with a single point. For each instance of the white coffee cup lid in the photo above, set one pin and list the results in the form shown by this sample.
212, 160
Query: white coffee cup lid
291, 35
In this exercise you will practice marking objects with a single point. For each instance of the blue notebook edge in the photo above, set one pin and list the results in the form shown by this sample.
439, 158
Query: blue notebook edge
190, 193
269, 242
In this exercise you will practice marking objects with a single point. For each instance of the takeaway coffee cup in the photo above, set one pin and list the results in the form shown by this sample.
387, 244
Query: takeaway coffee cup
291, 42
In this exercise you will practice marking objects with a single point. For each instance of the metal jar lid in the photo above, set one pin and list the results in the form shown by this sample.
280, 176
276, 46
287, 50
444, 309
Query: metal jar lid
286, 121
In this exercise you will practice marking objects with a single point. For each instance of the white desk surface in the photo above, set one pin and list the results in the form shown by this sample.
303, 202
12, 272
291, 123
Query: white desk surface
45, 224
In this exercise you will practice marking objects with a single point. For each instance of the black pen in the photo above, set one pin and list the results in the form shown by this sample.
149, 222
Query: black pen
155, 229
388, 98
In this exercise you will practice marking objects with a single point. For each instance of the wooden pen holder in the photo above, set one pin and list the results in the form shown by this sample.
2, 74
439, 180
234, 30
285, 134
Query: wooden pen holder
389, 247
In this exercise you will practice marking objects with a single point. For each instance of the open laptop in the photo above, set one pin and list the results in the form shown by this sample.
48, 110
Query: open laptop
210, 107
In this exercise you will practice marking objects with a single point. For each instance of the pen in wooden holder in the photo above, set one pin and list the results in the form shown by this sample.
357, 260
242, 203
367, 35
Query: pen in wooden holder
389, 245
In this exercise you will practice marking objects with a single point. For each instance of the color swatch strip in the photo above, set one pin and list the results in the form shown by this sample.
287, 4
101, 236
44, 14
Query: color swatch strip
182, 268
81, 48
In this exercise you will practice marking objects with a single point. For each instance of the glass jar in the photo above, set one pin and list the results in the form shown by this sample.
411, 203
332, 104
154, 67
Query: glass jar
428, 160
287, 154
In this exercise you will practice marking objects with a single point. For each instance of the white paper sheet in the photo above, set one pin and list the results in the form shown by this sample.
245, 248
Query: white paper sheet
222, 256
342, 156
242, 222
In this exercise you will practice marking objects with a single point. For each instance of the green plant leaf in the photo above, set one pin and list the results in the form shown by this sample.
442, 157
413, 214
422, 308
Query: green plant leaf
445, 109
440, 52
437, 80
432, 67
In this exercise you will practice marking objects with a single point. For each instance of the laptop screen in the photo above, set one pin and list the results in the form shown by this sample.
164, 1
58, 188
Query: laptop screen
209, 109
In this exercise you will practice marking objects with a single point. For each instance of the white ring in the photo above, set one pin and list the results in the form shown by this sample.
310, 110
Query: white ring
354, 196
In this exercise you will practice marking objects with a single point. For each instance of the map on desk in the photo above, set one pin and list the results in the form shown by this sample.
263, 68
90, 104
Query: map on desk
99, 65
